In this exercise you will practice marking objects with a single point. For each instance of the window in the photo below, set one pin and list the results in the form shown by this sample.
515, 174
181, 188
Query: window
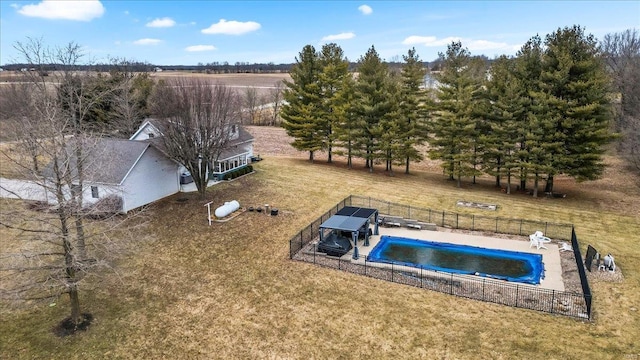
151, 135
94, 192
234, 128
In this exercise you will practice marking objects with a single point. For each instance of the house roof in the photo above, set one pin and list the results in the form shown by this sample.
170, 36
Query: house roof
106, 160
147, 122
232, 149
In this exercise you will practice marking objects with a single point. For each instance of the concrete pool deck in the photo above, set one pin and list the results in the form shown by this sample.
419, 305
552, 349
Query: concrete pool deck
550, 256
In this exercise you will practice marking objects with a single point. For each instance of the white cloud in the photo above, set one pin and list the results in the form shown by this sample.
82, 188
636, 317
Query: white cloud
147, 41
429, 40
231, 27
161, 23
194, 48
471, 44
484, 45
65, 10
192, 23
126, 12
341, 36
365, 9
14, 5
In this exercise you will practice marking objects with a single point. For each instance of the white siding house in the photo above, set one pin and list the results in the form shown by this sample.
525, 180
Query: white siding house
129, 173
153, 177
237, 154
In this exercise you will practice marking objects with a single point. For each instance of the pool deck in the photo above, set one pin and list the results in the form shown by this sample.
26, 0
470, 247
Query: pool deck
550, 256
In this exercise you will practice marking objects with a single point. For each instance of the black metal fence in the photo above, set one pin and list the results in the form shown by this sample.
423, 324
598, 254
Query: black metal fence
466, 221
311, 231
490, 290
586, 290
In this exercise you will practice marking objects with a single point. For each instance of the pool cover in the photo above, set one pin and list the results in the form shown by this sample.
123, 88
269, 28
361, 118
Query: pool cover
459, 259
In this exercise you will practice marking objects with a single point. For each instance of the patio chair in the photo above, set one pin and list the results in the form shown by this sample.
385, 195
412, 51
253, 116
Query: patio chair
537, 242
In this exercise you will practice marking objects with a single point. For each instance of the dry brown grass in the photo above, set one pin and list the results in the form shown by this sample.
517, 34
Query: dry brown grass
234, 80
230, 290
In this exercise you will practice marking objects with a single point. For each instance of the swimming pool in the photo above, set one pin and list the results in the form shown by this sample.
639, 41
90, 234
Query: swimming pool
459, 259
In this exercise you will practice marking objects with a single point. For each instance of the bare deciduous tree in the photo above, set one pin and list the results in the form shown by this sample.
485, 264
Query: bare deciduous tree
59, 245
197, 122
129, 99
622, 56
275, 98
252, 109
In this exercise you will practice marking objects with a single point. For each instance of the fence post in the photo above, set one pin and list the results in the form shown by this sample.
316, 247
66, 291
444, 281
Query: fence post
457, 220
483, 283
546, 225
391, 272
442, 218
473, 222
520, 232
517, 288
496, 225
553, 299
421, 278
451, 284
301, 239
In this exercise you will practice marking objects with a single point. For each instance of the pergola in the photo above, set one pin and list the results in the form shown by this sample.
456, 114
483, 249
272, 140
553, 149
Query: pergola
352, 219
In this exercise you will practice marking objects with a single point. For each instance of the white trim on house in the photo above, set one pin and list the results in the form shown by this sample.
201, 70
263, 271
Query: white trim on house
146, 131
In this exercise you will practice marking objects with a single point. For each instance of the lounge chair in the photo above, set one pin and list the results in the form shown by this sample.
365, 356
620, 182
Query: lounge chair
565, 247
411, 224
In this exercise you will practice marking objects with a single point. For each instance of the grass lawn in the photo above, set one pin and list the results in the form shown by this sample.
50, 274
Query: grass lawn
230, 291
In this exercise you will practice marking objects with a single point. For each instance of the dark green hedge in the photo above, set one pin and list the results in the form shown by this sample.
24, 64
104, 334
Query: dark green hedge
237, 173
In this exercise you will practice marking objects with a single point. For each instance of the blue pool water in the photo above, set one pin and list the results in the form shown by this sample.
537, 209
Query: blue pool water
459, 259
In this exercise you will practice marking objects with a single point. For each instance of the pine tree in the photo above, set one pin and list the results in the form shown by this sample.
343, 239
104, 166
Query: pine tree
334, 70
527, 70
505, 94
348, 126
302, 96
453, 123
388, 132
575, 85
410, 122
372, 103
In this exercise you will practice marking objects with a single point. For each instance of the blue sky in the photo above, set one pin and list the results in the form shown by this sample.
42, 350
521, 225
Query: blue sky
190, 32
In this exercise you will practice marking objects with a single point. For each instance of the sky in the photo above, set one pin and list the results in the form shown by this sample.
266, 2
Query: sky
191, 32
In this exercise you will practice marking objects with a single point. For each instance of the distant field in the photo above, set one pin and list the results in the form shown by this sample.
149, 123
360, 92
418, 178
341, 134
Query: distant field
239, 80
235, 80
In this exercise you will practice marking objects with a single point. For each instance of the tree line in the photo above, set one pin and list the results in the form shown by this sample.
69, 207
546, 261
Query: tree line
546, 111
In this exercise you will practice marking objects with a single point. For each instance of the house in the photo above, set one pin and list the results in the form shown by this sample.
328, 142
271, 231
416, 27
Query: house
237, 155
121, 175
125, 174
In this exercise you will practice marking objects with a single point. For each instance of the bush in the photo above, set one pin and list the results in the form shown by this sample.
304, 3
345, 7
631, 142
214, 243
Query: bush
238, 172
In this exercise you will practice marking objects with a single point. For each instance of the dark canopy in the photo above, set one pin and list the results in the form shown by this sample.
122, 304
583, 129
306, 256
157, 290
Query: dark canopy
349, 218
